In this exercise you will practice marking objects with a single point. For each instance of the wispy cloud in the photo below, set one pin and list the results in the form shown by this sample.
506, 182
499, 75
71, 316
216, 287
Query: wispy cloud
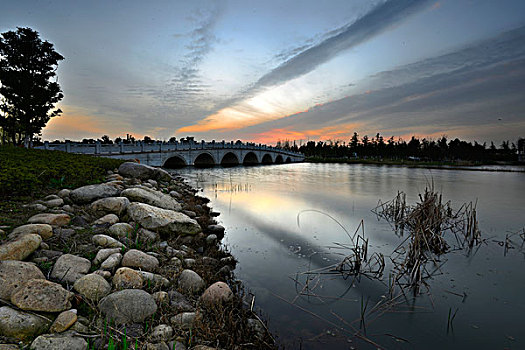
475, 85
379, 19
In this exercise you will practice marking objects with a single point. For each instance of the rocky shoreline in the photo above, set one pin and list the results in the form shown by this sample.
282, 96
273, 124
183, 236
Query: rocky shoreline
132, 263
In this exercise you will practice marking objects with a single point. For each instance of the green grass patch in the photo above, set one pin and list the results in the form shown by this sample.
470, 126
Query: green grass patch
29, 171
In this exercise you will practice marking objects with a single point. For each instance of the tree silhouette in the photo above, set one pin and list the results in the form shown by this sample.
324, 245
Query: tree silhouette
28, 94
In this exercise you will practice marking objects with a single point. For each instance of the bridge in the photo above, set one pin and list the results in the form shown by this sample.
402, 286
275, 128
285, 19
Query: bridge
184, 153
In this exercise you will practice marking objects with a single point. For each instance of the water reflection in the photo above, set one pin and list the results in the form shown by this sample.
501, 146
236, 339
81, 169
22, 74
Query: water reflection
260, 207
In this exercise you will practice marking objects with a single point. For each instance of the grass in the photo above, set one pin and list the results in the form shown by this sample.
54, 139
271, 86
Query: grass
29, 171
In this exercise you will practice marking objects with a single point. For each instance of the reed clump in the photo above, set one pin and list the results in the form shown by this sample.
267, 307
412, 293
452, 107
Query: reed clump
427, 223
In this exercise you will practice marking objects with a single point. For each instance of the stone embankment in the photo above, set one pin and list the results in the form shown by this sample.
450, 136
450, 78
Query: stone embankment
134, 262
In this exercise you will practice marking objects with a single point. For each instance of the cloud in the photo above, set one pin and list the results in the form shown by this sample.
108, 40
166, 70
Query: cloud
379, 19
376, 21
468, 88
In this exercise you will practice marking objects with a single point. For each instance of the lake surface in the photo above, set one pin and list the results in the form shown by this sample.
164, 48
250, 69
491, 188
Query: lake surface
284, 220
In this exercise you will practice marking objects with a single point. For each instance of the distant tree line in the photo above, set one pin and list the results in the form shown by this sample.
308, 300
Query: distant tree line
423, 149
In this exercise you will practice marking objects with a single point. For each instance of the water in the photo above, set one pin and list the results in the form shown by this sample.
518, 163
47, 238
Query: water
282, 220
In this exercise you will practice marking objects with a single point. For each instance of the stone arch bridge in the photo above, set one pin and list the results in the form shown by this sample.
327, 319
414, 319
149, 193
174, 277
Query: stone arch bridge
187, 153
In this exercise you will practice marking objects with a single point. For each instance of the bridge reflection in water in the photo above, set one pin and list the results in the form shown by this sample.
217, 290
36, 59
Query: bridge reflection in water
186, 153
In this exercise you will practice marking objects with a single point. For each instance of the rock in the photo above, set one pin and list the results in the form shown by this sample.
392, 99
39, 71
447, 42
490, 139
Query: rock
36, 206
93, 287
51, 197
68, 208
153, 278
9, 347
20, 248
191, 282
106, 241
126, 278
256, 326
103, 254
44, 245
161, 298
63, 321
109, 219
89, 193
59, 342
42, 295
176, 345
179, 303
128, 306
114, 205
120, 230
153, 183
216, 229
114, 177
162, 175
14, 274
69, 268
184, 320
162, 332
64, 233
211, 239
21, 325
64, 193
189, 263
112, 262
203, 347
151, 197
216, 294
44, 230
53, 203
162, 220
147, 235
190, 213
175, 194
137, 259
104, 274
50, 219
136, 170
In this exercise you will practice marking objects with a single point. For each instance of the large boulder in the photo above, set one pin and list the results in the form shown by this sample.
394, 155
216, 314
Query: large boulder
14, 274
69, 268
128, 306
20, 248
50, 219
62, 341
152, 197
21, 325
89, 193
162, 220
93, 287
140, 260
42, 295
44, 230
113, 205
136, 170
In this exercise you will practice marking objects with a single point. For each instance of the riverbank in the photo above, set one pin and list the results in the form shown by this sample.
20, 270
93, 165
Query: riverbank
132, 262
446, 165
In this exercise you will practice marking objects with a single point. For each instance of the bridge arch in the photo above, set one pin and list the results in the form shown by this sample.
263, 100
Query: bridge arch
267, 159
230, 159
279, 159
174, 162
250, 159
204, 160
288, 160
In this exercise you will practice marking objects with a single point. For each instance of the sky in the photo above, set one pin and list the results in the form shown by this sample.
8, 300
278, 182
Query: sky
275, 70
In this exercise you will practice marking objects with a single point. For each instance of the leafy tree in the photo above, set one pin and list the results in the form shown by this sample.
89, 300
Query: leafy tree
28, 93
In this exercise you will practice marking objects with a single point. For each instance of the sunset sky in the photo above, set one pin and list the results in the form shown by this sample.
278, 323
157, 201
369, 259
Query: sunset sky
274, 70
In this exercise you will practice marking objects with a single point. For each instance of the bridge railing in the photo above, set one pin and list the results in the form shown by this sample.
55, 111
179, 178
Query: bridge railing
158, 146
